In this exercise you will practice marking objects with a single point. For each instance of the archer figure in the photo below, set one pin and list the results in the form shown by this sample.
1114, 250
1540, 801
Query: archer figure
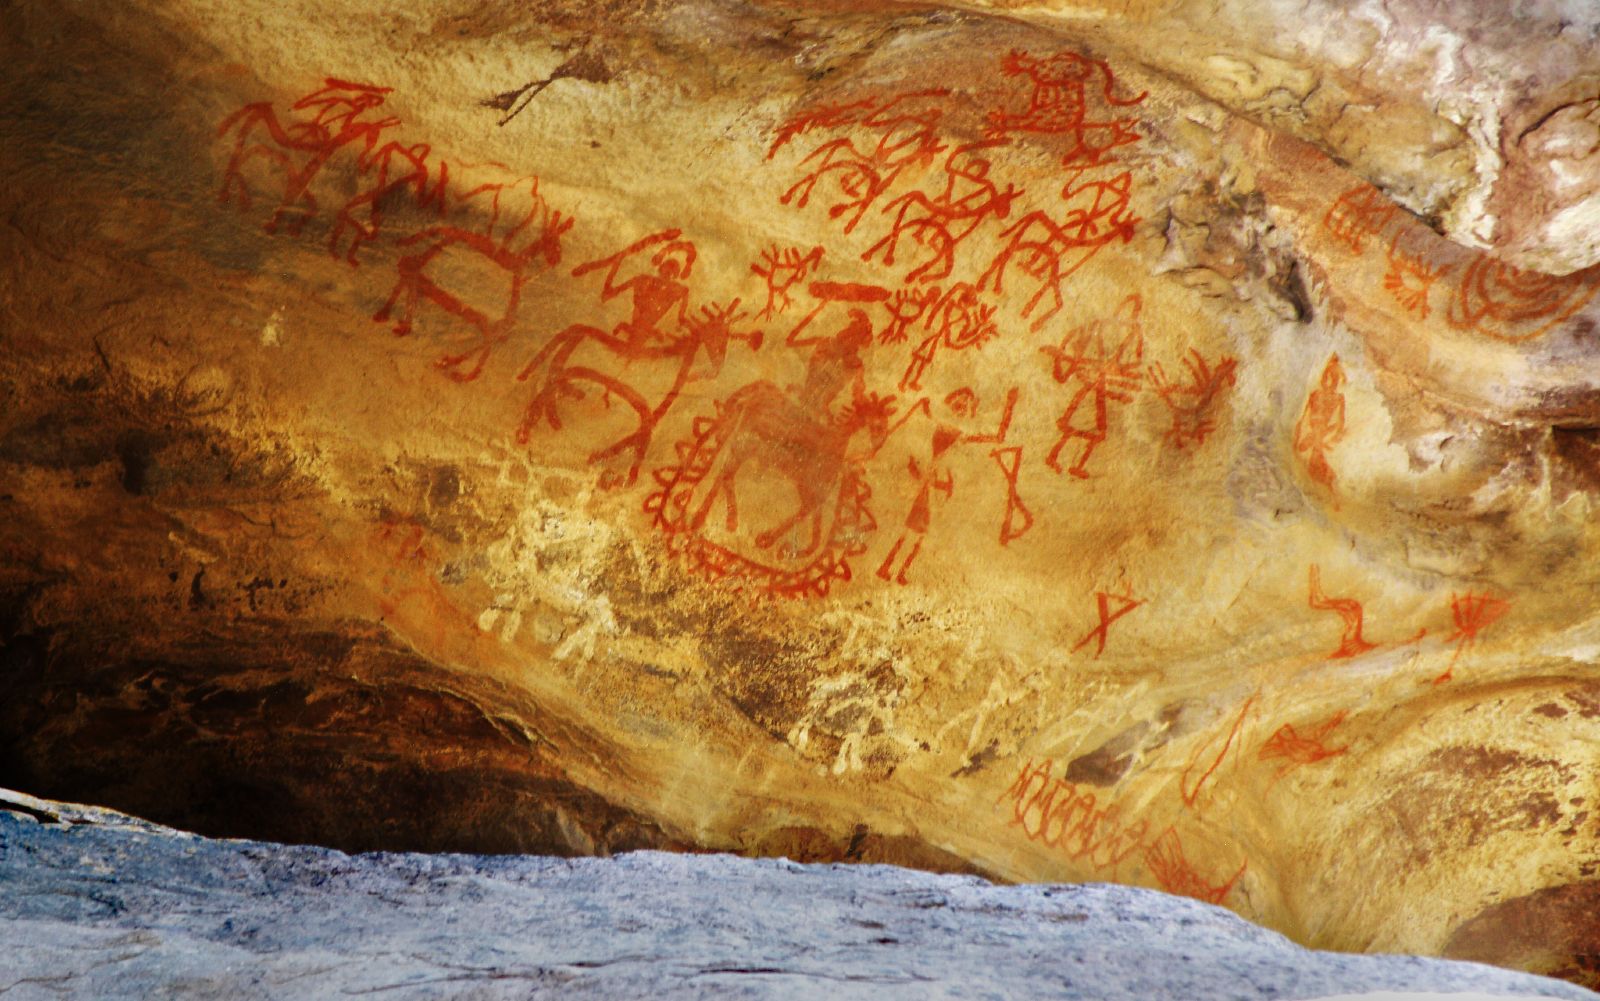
1103, 377
933, 476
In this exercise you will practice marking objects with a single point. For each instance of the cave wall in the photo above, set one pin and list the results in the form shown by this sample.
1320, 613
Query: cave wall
1096, 441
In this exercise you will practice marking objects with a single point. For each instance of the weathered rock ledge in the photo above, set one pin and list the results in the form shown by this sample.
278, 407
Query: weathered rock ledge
96, 904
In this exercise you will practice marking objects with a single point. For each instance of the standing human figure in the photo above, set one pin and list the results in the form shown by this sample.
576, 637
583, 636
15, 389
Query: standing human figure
934, 476
1103, 376
1322, 424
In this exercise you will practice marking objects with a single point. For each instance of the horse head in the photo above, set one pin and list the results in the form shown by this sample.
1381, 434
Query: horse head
1017, 62
548, 245
1064, 69
341, 102
868, 412
713, 329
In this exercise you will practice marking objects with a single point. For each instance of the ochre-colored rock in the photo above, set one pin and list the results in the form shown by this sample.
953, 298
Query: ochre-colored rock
1483, 118
992, 440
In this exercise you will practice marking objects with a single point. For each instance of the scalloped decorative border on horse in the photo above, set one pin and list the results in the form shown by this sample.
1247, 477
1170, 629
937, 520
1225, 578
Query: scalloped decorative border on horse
668, 508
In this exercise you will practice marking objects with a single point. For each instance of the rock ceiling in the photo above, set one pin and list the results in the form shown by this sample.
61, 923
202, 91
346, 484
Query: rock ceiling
1116, 440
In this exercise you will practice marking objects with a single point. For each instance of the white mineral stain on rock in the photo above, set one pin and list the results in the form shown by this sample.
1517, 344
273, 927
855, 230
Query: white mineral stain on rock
272, 333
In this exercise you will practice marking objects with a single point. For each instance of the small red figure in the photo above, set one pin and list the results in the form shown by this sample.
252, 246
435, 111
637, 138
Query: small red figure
1103, 601
1192, 404
1351, 644
932, 476
957, 319
1058, 105
1321, 425
1103, 376
1473, 613
1018, 519
1361, 212
1174, 872
783, 269
1299, 749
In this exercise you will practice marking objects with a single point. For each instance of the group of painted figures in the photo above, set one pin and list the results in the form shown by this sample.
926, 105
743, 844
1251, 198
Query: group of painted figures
770, 488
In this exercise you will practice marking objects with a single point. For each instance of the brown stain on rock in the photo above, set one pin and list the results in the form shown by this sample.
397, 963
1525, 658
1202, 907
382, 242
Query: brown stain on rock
1461, 795
1576, 466
1554, 931
1488, 763
1585, 699
1108, 763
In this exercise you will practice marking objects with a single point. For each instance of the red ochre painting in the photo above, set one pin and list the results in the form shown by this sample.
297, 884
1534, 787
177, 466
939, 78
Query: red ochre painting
774, 487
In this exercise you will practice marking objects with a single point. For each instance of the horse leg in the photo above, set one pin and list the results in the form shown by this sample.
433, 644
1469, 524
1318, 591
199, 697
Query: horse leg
816, 532
997, 270
943, 258
722, 483
905, 567
1092, 441
1053, 286
559, 348
767, 538
451, 364
405, 285
234, 177
889, 242
730, 521
489, 335
807, 183
242, 120
558, 382
1053, 460
888, 561
297, 189
362, 233
638, 441
542, 405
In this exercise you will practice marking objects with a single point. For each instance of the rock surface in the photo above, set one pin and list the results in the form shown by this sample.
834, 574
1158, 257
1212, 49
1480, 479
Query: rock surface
1482, 117
990, 441
98, 905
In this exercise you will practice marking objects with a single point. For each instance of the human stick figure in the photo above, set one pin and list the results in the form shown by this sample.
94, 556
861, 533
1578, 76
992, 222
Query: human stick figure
1322, 424
1104, 600
1103, 377
1351, 643
933, 476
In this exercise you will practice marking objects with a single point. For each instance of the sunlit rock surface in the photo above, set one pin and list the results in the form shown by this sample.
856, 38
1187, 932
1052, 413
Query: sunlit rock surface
1483, 118
834, 430
96, 904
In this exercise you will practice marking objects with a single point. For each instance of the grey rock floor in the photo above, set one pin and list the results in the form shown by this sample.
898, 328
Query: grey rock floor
97, 905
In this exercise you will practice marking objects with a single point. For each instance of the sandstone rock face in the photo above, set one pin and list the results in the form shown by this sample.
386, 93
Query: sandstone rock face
99, 905
1482, 118
978, 440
